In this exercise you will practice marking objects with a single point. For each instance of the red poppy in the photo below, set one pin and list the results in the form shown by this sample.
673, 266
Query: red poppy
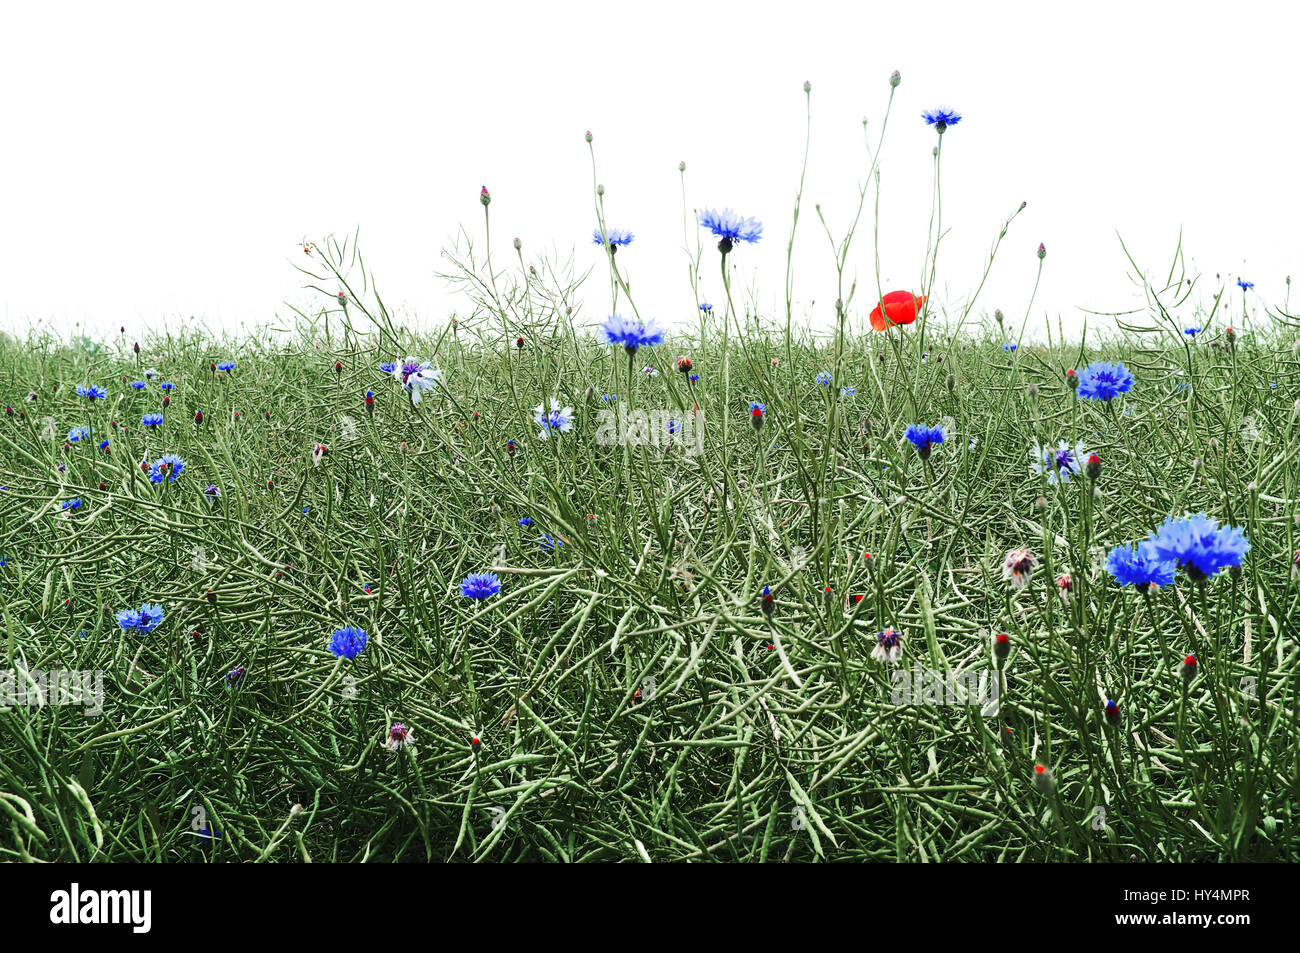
901, 307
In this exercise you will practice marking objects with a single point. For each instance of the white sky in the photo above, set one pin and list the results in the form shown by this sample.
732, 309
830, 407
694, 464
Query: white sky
163, 160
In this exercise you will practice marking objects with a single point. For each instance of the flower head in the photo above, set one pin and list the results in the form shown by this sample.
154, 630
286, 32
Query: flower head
1018, 567
631, 334
347, 642
1199, 545
889, 646
756, 412
1191, 332
226, 366
1059, 463
1245, 285
168, 466
557, 420
387, 367
550, 543
706, 307
824, 378
76, 434
480, 585
1140, 566
614, 236
399, 736
416, 376
144, 619
729, 228
923, 437
1009, 346
900, 307
72, 504
151, 420
138, 385
941, 119
92, 391
1102, 380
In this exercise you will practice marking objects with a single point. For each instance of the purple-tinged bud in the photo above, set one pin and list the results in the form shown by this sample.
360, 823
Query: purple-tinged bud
484, 197
588, 135
895, 78
1042, 251
681, 167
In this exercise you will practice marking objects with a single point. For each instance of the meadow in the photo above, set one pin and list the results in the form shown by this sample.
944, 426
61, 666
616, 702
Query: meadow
544, 581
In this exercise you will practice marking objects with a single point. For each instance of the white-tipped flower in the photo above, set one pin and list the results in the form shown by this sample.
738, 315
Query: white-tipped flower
416, 376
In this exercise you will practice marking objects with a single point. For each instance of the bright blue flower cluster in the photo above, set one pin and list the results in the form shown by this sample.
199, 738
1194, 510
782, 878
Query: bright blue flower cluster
1009, 346
144, 619
1191, 332
1199, 545
138, 385
630, 334
92, 391
616, 237
151, 420
941, 119
1245, 285
824, 378
729, 227
480, 585
387, 368
77, 434
347, 642
923, 437
1102, 380
168, 467
226, 366
1138, 564
72, 504
1196, 544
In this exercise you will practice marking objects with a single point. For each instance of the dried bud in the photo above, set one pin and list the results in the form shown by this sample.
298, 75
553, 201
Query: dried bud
1040, 504
807, 86
1031, 391
600, 190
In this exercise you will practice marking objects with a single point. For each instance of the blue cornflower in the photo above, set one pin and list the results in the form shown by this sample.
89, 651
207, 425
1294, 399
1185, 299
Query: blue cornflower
1102, 380
151, 420
103, 445
1191, 332
616, 237
695, 378
388, 368
1199, 545
72, 504
550, 543
167, 385
226, 366
144, 619
525, 521
212, 491
923, 437
941, 119
609, 398
305, 509
847, 391
235, 676
1138, 564
168, 466
1059, 463
729, 227
1245, 285
824, 378
706, 307
93, 391
76, 434
1009, 346
650, 371
480, 585
674, 427
138, 385
630, 334
559, 419
347, 642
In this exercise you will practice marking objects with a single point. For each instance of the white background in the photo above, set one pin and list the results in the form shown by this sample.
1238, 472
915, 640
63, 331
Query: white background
161, 161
